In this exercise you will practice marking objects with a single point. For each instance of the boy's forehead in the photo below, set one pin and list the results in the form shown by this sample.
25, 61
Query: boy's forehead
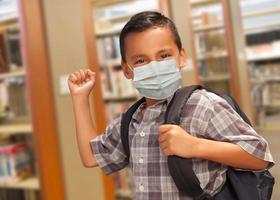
149, 41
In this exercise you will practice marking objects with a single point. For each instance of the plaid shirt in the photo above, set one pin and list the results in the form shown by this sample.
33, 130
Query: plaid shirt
205, 115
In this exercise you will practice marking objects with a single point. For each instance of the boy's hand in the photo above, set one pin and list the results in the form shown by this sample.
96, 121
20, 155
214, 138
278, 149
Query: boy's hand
174, 140
81, 82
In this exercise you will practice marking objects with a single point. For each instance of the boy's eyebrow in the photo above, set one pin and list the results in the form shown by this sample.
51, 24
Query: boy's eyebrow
137, 56
143, 55
165, 50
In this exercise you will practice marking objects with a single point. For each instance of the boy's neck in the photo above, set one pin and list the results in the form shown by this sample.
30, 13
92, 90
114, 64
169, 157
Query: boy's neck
151, 102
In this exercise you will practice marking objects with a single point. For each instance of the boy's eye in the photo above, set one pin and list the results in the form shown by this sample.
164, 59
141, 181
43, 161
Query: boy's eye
139, 61
165, 55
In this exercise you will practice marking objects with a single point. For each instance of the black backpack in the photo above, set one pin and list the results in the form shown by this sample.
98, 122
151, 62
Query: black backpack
240, 185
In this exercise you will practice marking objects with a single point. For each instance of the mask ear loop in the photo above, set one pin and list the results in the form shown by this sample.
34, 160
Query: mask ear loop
130, 69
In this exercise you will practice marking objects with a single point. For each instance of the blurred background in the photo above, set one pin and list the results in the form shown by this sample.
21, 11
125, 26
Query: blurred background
233, 47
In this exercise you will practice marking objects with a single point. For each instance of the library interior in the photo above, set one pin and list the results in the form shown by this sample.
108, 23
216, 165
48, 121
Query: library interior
232, 47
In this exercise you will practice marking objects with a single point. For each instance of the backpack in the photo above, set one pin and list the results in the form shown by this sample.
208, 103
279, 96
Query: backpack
240, 185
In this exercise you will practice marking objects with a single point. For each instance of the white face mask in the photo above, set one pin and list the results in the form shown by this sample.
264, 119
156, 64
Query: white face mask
157, 79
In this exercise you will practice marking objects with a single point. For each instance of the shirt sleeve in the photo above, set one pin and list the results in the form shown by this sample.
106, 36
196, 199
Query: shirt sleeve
108, 150
224, 124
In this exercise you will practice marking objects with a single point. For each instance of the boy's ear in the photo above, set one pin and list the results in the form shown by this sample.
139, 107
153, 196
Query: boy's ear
182, 58
126, 70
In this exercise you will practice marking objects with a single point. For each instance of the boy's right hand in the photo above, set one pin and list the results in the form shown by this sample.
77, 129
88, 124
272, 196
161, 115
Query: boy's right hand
81, 82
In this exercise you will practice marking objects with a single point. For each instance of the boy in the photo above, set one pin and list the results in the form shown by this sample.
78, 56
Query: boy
210, 133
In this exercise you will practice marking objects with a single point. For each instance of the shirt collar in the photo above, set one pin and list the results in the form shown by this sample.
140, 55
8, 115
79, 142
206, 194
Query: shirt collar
136, 115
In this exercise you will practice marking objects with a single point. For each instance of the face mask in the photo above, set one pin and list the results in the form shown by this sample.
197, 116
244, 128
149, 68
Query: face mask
158, 79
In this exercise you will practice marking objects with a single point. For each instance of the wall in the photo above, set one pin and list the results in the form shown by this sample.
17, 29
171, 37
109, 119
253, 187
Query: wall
67, 53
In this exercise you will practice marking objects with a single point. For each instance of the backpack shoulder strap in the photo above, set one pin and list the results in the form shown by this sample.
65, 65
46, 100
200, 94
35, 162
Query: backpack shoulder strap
180, 168
174, 108
125, 121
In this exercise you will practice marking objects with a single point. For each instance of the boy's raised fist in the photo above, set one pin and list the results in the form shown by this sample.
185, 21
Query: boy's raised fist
81, 82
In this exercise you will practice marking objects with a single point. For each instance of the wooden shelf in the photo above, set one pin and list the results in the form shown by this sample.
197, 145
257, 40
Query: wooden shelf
16, 129
11, 26
108, 32
209, 27
111, 62
216, 78
12, 74
119, 18
262, 13
105, 3
31, 183
203, 2
267, 56
211, 55
254, 29
124, 17
10, 19
264, 80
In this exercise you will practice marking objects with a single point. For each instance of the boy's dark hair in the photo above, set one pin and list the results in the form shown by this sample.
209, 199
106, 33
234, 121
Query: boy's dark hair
145, 20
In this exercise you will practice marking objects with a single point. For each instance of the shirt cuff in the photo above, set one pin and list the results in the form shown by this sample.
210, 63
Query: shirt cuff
94, 143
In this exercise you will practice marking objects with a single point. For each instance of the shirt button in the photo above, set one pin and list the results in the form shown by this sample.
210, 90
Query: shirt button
141, 160
141, 187
142, 134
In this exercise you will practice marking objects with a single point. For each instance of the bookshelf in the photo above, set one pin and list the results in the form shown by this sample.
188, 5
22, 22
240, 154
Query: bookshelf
116, 93
262, 32
213, 53
15, 125
26, 121
218, 50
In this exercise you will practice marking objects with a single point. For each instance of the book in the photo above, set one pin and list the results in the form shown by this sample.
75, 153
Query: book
3, 57
17, 97
15, 162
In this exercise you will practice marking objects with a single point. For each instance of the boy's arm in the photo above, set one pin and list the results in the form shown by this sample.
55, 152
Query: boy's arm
85, 130
80, 84
228, 154
175, 141
218, 134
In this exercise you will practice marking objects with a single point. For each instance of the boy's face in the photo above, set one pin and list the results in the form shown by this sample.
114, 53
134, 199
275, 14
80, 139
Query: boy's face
154, 44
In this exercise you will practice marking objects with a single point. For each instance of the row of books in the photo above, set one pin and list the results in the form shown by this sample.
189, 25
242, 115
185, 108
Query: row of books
210, 41
264, 51
206, 17
13, 98
266, 70
260, 38
271, 94
267, 95
10, 56
220, 87
212, 67
108, 48
15, 162
14, 194
114, 84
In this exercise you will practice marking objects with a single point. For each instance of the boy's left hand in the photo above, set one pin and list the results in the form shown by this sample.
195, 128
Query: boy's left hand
174, 140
